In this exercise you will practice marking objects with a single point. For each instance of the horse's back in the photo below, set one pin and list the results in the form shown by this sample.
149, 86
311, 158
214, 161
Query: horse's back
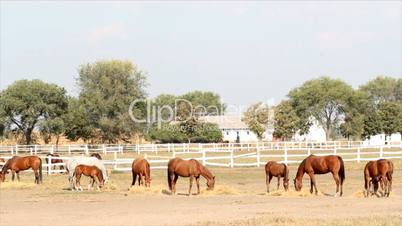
140, 165
184, 168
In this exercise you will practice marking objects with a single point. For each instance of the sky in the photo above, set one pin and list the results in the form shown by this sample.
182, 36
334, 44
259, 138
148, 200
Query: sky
244, 51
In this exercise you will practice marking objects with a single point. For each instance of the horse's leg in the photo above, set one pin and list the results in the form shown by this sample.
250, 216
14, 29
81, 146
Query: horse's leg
142, 179
313, 182
197, 180
139, 179
337, 181
279, 181
12, 175
191, 184
77, 182
311, 185
267, 182
18, 176
174, 183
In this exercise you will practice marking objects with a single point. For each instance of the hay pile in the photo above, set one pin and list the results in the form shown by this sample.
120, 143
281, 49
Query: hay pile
221, 190
293, 193
153, 190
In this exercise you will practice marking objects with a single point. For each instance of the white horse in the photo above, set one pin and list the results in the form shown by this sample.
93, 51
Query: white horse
89, 161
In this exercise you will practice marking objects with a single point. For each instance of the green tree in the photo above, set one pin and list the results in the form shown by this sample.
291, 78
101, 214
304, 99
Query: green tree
355, 111
389, 114
107, 90
77, 123
323, 99
286, 121
28, 103
382, 89
257, 119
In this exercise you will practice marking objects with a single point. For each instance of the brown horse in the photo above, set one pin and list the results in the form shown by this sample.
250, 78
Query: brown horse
54, 160
274, 169
90, 171
321, 165
96, 155
141, 168
376, 172
188, 168
17, 164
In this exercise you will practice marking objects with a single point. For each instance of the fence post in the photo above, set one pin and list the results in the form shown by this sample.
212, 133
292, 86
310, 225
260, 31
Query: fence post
381, 151
49, 164
16, 149
36, 149
308, 151
358, 154
174, 153
334, 150
286, 155
168, 147
30, 150
115, 160
51, 149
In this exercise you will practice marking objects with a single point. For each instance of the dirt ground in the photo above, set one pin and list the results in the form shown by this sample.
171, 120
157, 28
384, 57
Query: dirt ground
238, 199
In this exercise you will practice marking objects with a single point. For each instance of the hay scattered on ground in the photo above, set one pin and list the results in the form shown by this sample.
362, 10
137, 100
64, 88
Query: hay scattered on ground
359, 194
153, 190
110, 186
16, 185
292, 193
221, 190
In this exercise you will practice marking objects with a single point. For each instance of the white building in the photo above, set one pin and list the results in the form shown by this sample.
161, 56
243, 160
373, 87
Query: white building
381, 139
234, 129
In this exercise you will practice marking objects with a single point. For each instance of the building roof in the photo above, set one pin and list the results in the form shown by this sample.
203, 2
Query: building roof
225, 121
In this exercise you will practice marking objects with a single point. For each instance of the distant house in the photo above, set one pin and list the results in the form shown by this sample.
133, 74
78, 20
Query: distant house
234, 129
381, 139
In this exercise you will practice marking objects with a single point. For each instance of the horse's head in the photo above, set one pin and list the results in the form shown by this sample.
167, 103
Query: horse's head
211, 183
298, 184
376, 181
148, 181
286, 184
2, 177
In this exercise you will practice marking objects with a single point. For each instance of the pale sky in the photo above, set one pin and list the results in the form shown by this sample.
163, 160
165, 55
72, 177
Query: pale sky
245, 51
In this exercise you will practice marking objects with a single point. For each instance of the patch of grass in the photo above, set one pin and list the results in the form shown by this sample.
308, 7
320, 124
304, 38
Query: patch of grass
12, 185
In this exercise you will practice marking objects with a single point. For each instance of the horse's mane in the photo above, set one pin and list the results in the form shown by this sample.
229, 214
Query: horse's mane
300, 169
205, 171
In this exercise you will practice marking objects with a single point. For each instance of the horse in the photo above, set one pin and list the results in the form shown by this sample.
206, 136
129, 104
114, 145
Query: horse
141, 168
274, 169
83, 160
91, 171
54, 160
376, 172
321, 165
17, 164
188, 168
96, 155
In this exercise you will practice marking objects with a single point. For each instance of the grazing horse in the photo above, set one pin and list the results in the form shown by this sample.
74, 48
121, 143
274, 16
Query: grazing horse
188, 168
90, 161
96, 155
376, 172
90, 171
274, 169
321, 165
54, 160
17, 164
141, 168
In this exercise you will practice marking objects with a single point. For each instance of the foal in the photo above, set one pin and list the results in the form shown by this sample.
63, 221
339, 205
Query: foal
90, 171
376, 172
274, 169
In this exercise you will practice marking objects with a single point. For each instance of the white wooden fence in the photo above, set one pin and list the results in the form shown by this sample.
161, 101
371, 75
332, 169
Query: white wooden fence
228, 156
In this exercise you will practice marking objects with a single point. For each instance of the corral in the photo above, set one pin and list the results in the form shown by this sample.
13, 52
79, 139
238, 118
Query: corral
239, 198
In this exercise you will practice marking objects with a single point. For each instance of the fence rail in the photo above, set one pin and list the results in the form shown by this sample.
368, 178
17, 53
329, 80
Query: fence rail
221, 156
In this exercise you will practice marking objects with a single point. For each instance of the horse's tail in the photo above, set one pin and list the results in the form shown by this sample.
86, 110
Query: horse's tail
341, 172
40, 170
286, 172
390, 171
169, 179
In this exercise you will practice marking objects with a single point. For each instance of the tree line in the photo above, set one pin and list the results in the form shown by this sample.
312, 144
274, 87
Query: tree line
32, 109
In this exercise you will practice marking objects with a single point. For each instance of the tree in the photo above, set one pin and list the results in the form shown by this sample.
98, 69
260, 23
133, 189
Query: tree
382, 89
107, 90
204, 103
389, 114
257, 119
77, 123
355, 109
286, 121
323, 99
28, 103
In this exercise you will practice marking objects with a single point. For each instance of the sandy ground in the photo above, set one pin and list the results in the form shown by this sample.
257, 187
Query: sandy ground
239, 196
